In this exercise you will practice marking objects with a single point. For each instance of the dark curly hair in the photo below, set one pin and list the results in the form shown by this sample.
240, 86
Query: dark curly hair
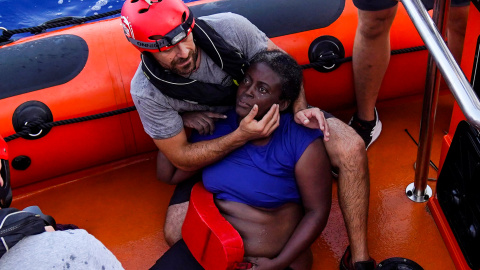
286, 67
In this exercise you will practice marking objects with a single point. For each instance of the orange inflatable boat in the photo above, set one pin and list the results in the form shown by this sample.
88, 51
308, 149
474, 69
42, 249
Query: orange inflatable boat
85, 70
88, 173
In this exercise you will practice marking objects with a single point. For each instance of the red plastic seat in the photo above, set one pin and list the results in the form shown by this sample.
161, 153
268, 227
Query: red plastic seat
212, 240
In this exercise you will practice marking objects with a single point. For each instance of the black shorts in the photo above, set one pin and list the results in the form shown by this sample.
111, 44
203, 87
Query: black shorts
177, 257
454, 3
183, 190
375, 5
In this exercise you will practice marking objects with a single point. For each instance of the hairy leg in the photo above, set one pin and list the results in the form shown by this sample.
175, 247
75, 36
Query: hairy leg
173, 222
347, 152
371, 55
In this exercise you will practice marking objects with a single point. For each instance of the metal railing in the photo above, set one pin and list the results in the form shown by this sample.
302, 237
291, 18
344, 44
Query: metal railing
441, 58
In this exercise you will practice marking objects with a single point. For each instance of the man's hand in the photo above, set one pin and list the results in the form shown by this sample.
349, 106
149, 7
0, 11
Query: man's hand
252, 129
313, 118
203, 122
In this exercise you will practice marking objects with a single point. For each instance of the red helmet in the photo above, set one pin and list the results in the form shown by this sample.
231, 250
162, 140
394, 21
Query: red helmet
154, 26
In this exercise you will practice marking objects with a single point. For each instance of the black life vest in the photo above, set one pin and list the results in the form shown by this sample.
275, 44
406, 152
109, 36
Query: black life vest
230, 59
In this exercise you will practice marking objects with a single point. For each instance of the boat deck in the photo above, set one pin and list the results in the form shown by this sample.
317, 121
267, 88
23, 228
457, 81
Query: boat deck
123, 205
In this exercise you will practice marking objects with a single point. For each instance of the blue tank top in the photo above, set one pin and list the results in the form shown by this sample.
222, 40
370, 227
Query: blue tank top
259, 176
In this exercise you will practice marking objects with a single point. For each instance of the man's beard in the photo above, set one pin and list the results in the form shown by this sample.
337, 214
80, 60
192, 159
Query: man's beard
187, 70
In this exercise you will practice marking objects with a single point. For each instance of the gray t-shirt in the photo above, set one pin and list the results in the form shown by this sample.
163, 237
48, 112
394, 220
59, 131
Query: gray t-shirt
70, 249
159, 113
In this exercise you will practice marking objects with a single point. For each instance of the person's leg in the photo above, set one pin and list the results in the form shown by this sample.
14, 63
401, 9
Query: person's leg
173, 222
456, 26
177, 210
347, 152
371, 55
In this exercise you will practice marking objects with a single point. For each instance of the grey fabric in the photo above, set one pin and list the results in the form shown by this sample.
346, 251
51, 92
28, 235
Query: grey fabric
160, 114
71, 249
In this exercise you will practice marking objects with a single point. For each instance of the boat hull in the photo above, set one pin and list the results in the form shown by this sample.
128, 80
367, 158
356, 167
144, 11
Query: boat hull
103, 83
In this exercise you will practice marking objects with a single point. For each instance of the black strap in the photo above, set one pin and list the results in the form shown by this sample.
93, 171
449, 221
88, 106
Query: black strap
49, 220
181, 88
227, 57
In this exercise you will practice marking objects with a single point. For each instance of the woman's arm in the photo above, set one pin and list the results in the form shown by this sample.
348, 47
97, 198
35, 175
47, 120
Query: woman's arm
314, 179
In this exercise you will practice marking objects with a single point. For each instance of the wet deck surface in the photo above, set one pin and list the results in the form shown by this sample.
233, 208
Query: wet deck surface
123, 205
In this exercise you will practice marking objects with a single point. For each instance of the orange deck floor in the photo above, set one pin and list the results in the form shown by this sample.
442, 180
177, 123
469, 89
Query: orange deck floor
123, 205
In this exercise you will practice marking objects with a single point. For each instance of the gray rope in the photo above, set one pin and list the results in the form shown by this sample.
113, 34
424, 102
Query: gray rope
38, 124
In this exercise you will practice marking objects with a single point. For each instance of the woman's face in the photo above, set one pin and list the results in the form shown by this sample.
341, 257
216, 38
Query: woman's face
261, 86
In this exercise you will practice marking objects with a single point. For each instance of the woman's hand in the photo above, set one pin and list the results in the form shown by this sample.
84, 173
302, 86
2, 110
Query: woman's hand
262, 263
203, 122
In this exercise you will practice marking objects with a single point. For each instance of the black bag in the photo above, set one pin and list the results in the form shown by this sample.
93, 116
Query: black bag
15, 225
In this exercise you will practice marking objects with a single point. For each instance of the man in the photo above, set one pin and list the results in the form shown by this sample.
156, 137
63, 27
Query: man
178, 75
371, 55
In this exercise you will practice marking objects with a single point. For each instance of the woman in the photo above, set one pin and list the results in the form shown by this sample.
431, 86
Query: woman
276, 191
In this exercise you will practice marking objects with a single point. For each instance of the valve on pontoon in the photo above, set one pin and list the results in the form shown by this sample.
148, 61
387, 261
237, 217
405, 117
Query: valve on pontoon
398, 263
326, 49
30, 114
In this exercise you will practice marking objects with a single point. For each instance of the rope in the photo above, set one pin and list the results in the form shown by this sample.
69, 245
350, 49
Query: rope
408, 50
326, 60
329, 59
39, 124
7, 34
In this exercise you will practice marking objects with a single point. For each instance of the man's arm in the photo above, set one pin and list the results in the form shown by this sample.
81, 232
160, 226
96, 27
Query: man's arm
193, 156
202, 121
